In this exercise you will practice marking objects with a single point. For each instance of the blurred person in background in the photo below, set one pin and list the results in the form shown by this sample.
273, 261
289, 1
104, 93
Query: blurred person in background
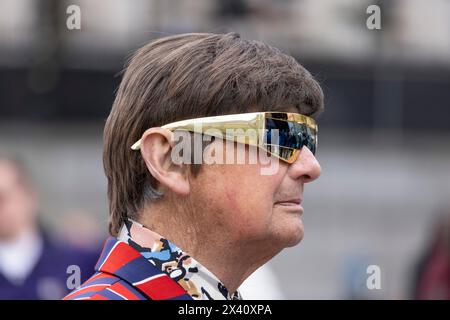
433, 271
32, 264
80, 228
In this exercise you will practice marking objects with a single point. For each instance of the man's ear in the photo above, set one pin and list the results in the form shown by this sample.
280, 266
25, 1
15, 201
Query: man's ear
156, 149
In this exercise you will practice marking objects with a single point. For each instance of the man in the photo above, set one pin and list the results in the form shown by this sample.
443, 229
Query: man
32, 265
184, 230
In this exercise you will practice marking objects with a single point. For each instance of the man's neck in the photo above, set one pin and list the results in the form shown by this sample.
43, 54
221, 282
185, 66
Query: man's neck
230, 261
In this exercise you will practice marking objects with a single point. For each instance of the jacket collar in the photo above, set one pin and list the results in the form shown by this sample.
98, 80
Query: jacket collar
123, 261
196, 279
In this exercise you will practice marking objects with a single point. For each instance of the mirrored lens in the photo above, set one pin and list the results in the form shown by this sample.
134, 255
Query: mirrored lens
291, 135
289, 155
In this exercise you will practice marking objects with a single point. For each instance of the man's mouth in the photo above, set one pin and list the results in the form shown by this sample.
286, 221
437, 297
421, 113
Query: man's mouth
291, 204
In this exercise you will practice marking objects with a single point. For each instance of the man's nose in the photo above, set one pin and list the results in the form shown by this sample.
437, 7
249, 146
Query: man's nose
306, 167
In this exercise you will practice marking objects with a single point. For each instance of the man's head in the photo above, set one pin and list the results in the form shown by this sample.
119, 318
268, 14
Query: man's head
198, 75
18, 204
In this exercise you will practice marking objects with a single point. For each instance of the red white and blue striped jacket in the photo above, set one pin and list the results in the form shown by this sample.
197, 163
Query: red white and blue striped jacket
122, 273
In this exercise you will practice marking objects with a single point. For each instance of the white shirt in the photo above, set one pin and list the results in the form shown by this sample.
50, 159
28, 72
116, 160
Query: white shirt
18, 257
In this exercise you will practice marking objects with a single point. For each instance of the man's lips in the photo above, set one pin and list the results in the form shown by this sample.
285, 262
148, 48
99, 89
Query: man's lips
292, 205
290, 202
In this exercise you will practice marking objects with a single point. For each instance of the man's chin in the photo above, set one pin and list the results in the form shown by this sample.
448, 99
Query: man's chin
293, 234
295, 241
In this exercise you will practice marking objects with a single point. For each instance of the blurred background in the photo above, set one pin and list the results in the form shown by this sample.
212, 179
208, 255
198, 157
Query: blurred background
384, 195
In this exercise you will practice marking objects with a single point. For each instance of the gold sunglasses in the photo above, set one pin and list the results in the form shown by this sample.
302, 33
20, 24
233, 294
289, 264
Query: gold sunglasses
292, 131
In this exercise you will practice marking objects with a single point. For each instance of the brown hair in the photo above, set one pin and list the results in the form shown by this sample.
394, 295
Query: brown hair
188, 76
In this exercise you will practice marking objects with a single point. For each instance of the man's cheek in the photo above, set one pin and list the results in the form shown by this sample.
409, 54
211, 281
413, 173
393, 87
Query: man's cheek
269, 165
232, 201
241, 200
273, 183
